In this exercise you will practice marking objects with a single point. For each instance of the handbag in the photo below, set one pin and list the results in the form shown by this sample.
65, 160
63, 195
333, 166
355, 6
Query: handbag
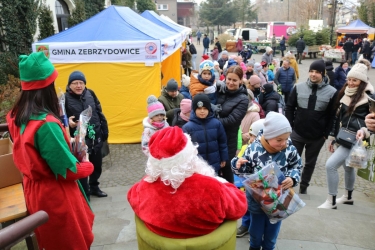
345, 137
105, 149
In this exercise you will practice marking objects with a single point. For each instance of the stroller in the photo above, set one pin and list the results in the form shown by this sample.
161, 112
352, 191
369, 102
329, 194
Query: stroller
246, 53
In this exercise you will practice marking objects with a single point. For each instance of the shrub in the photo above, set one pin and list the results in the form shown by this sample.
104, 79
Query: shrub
8, 66
8, 96
223, 38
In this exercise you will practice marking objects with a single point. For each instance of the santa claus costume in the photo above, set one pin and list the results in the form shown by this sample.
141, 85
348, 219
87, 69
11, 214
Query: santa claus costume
180, 197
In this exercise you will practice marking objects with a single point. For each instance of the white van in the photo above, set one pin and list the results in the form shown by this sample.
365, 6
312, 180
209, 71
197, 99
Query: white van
247, 34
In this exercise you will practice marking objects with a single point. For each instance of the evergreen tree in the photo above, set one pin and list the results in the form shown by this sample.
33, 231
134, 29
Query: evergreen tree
246, 11
362, 13
45, 22
143, 5
78, 14
218, 12
128, 3
93, 7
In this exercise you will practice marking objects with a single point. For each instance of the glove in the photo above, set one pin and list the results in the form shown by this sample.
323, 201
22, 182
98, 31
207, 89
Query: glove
216, 109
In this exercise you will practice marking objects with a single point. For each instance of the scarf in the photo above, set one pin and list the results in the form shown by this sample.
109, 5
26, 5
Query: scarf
349, 92
158, 125
268, 147
184, 117
205, 82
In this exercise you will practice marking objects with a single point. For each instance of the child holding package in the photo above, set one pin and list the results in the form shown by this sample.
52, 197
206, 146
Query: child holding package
204, 82
208, 132
153, 122
271, 145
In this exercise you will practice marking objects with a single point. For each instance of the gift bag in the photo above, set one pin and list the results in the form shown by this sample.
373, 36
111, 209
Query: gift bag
358, 156
265, 188
368, 173
79, 146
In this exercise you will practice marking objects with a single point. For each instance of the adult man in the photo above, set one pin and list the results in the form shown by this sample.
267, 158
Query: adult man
310, 111
199, 34
193, 52
273, 44
170, 199
170, 98
217, 43
206, 44
286, 77
348, 48
300, 45
223, 59
267, 57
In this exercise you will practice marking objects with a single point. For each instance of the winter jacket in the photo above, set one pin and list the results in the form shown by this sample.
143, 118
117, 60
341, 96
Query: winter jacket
366, 48
269, 101
300, 45
186, 59
249, 74
340, 77
270, 75
286, 78
331, 76
282, 44
218, 46
348, 46
75, 104
210, 135
177, 120
294, 65
267, 58
170, 103
206, 42
192, 49
148, 131
239, 45
288, 159
185, 92
215, 54
222, 62
196, 87
263, 79
310, 109
234, 106
252, 115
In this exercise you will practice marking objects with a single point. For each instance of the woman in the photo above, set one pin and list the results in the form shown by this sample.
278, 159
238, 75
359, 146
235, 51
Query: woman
186, 61
282, 45
352, 109
258, 71
234, 103
42, 153
252, 115
340, 75
293, 63
77, 99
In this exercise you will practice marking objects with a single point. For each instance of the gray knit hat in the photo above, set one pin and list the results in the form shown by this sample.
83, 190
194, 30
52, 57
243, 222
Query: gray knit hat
359, 71
172, 85
154, 107
275, 124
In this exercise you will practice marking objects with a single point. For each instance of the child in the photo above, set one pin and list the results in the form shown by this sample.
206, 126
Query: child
271, 145
253, 132
215, 53
204, 82
208, 132
217, 70
153, 122
182, 115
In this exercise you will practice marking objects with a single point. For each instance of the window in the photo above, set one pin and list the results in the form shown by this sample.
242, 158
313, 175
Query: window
62, 14
162, 6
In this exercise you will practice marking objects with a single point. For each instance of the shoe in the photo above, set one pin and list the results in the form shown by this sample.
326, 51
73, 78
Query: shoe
302, 189
99, 193
330, 203
242, 231
346, 198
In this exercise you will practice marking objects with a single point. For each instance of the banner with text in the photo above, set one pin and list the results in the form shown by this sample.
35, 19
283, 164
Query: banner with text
170, 45
101, 51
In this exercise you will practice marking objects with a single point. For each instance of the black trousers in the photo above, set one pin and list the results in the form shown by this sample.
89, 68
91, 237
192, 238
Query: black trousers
311, 154
286, 96
92, 182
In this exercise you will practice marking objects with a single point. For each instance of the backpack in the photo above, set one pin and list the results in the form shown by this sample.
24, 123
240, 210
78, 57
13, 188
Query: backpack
192, 49
281, 105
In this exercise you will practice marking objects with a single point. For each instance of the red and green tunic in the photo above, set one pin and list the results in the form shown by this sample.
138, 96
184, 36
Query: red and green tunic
41, 151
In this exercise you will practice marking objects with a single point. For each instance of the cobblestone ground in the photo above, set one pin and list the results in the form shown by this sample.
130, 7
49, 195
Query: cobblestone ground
126, 165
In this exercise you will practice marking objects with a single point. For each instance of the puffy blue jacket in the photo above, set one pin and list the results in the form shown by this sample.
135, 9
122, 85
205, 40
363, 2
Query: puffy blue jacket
286, 78
340, 77
206, 42
210, 135
185, 92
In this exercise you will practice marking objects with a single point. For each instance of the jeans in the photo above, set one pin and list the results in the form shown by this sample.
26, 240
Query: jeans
193, 59
246, 220
354, 57
273, 51
312, 149
262, 232
336, 160
205, 50
348, 57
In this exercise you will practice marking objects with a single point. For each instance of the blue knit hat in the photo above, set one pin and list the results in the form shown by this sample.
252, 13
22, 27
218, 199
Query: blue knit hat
76, 75
206, 65
231, 63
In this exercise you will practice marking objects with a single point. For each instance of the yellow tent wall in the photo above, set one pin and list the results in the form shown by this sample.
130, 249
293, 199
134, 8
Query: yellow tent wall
171, 68
122, 89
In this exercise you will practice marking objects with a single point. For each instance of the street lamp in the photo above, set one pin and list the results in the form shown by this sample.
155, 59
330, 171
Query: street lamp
333, 6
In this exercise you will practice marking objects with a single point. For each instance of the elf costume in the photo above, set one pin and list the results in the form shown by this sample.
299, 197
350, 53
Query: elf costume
197, 207
42, 152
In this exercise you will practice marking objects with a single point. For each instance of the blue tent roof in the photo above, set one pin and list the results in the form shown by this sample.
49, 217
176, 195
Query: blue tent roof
113, 24
356, 27
155, 18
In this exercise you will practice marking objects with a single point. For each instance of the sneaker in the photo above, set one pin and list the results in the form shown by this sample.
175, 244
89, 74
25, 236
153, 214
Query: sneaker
242, 231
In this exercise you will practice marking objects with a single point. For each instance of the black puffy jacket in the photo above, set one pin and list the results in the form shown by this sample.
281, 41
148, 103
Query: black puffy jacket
269, 101
352, 122
177, 120
75, 104
234, 106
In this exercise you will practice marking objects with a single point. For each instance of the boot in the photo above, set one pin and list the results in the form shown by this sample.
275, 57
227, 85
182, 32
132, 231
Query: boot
254, 248
346, 198
302, 189
330, 203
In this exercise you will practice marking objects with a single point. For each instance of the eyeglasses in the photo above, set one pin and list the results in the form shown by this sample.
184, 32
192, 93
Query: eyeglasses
77, 83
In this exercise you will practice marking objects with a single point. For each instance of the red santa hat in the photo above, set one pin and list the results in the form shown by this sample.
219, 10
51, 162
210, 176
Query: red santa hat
170, 146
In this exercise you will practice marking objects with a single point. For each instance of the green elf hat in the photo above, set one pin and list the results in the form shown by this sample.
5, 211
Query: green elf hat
36, 71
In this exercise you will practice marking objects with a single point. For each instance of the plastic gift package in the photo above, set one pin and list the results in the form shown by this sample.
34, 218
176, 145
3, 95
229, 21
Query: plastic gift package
63, 116
358, 156
79, 146
265, 188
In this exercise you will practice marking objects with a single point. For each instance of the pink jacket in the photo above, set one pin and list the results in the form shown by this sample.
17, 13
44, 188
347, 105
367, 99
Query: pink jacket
251, 116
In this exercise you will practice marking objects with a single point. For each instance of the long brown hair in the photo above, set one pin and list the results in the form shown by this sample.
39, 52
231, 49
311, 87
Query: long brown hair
354, 99
235, 69
35, 102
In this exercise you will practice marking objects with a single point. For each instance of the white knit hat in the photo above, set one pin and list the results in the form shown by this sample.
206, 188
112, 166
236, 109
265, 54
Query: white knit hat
256, 127
268, 49
275, 124
359, 71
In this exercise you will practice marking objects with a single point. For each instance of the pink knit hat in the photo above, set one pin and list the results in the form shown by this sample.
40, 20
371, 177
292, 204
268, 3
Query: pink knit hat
154, 107
185, 106
254, 79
